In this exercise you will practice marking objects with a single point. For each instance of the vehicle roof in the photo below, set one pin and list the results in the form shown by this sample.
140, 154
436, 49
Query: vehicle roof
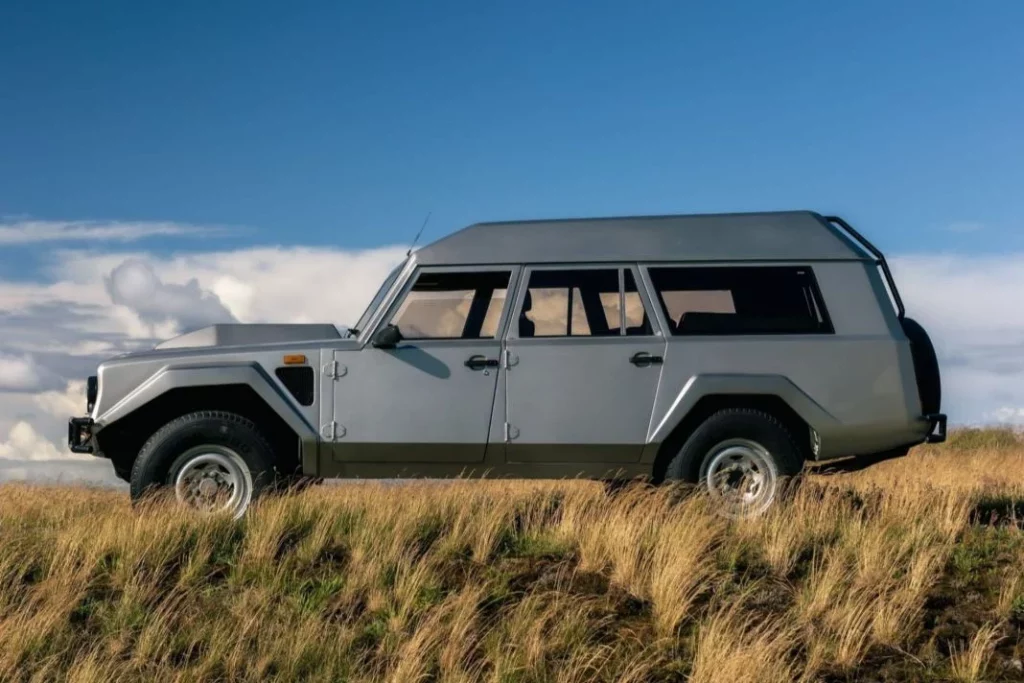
770, 236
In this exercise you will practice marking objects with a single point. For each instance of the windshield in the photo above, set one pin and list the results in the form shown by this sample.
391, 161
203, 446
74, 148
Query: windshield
377, 298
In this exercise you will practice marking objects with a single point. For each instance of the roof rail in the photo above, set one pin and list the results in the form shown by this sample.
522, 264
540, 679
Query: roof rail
879, 259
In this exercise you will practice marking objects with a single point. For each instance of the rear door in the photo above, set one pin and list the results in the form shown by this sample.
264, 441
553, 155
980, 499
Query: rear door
584, 363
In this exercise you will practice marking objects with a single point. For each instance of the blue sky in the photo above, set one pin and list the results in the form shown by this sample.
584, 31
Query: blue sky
344, 123
168, 165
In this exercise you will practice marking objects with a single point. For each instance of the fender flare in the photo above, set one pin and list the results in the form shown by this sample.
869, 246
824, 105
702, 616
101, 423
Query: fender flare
699, 386
215, 374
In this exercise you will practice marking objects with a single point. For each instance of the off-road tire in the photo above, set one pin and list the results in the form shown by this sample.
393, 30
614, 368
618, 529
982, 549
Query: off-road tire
691, 462
161, 456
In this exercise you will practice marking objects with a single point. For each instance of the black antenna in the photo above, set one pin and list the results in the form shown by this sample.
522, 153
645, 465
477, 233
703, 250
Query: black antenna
417, 238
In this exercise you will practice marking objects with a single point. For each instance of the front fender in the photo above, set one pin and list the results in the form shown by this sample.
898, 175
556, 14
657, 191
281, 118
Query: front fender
699, 386
211, 374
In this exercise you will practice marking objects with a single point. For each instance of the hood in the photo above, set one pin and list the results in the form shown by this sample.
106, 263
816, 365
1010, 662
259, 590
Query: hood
241, 335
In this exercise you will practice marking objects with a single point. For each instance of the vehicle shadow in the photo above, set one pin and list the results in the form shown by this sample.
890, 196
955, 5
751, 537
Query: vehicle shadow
422, 361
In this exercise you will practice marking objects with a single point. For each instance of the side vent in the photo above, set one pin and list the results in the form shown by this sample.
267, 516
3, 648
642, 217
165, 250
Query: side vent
299, 382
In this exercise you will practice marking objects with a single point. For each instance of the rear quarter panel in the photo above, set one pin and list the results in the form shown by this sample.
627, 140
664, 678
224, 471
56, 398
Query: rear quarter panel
861, 376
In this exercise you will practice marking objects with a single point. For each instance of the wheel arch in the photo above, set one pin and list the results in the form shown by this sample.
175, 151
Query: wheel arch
174, 392
703, 396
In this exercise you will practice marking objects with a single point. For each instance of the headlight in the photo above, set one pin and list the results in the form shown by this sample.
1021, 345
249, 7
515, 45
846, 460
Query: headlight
92, 388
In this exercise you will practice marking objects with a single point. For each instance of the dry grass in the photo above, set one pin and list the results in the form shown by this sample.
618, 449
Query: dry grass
911, 570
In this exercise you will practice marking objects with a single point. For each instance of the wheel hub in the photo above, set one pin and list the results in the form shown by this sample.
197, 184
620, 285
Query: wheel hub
214, 478
208, 487
742, 476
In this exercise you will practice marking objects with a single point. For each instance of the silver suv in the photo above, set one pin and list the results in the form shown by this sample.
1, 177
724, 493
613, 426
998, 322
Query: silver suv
721, 349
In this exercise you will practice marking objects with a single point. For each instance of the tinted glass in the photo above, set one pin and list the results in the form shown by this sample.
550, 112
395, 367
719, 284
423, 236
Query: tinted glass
581, 303
453, 306
742, 300
378, 297
637, 322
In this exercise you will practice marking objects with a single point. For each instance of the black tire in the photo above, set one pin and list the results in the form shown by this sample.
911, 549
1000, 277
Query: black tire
693, 460
926, 367
166, 452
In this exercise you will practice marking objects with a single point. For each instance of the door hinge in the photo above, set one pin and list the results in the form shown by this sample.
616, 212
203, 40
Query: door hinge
510, 432
334, 370
332, 431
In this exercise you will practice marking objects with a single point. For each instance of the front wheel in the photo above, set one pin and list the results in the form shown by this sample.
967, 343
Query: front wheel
741, 457
213, 461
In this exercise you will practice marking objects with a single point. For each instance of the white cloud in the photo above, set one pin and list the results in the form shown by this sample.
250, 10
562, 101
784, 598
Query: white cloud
135, 284
1007, 415
265, 284
18, 373
63, 404
25, 443
33, 231
970, 307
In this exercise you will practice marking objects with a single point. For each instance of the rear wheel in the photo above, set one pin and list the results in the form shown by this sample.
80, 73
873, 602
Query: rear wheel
741, 457
212, 461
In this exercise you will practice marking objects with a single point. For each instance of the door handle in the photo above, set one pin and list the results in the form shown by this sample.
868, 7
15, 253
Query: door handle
643, 359
479, 362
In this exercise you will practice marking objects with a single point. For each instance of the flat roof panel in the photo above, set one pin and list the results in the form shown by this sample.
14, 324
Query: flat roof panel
772, 236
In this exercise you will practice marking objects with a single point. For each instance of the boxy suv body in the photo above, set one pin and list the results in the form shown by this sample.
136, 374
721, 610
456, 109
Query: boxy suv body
723, 349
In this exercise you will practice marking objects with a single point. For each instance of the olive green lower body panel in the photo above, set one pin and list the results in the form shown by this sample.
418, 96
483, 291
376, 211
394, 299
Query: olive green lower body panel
407, 454
446, 470
527, 461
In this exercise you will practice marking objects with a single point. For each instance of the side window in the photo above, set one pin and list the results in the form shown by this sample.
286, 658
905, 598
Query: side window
453, 306
582, 303
637, 322
741, 300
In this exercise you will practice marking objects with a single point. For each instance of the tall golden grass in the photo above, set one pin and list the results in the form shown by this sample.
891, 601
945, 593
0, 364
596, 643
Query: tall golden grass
910, 570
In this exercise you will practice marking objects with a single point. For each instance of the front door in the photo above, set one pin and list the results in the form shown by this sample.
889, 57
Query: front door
584, 366
429, 399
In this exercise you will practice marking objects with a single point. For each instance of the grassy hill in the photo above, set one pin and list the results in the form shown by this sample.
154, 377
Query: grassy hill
910, 570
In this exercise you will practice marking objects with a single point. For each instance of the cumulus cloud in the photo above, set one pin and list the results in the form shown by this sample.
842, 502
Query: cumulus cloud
18, 373
25, 443
135, 284
33, 231
264, 284
1009, 415
62, 404
970, 306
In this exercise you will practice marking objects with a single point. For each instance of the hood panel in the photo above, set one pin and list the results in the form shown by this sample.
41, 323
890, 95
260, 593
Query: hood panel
240, 335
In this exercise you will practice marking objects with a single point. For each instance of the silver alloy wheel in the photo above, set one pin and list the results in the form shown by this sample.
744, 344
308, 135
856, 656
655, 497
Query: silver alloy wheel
742, 476
214, 479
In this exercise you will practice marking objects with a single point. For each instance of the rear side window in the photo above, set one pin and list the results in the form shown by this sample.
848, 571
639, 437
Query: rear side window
741, 300
593, 302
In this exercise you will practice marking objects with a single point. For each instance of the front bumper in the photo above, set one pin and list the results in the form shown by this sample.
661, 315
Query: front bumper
937, 428
80, 437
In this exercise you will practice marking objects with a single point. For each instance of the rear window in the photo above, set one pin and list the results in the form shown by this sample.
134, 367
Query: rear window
740, 300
